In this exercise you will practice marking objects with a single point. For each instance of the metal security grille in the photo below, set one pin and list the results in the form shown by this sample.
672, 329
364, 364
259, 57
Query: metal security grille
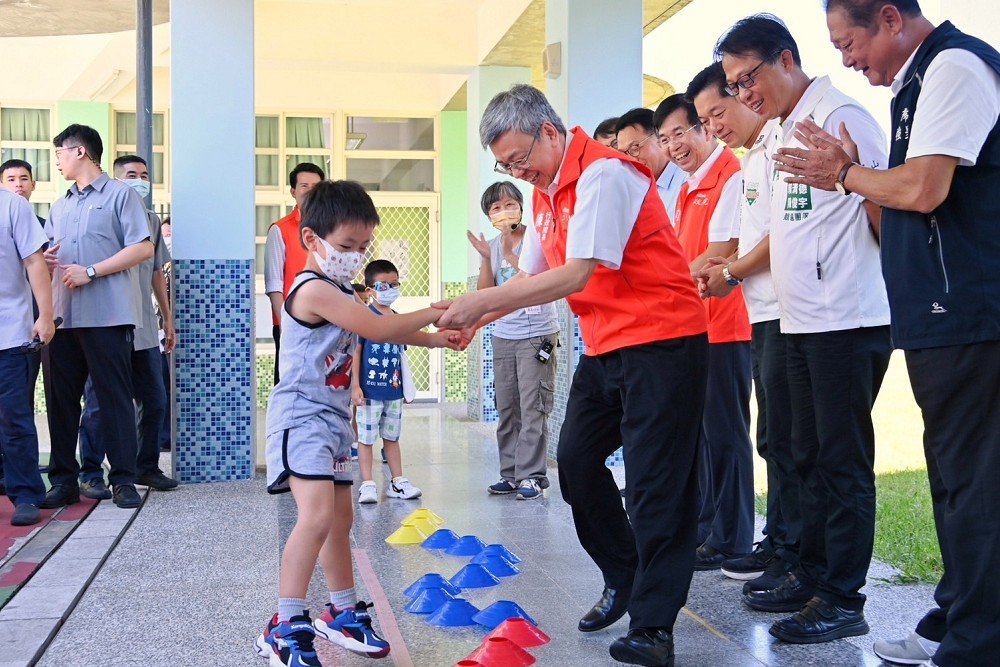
405, 236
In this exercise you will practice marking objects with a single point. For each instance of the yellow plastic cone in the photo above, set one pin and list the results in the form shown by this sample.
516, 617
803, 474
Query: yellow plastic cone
425, 526
407, 535
424, 513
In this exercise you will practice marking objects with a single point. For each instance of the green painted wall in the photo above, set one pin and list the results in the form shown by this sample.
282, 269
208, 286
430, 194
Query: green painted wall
454, 197
94, 114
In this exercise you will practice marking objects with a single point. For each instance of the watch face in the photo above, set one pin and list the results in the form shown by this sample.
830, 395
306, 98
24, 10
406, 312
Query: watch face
840, 188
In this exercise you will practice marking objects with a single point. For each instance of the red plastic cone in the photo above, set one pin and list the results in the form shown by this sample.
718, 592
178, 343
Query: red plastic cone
521, 632
501, 652
468, 663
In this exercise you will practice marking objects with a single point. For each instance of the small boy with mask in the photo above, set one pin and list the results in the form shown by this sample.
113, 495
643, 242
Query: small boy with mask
377, 391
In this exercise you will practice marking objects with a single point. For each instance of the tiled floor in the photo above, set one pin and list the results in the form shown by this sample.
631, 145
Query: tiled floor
193, 579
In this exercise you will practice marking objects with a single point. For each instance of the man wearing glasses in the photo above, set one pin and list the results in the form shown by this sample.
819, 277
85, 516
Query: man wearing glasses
636, 135
601, 238
99, 231
827, 277
707, 219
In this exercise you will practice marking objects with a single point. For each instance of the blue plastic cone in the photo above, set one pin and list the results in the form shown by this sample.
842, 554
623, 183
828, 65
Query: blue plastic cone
467, 545
440, 539
454, 613
432, 580
497, 565
501, 550
474, 576
500, 611
428, 601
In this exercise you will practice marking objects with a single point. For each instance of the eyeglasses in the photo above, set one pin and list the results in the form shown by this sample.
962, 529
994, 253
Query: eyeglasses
380, 286
65, 148
633, 150
667, 139
747, 81
521, 164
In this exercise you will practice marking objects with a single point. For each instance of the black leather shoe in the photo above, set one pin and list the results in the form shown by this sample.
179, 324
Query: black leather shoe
709, 558
60, 495
25, 515
156, 480
820, 621
126, 496
791, 595
95, 489
653, 647
775, 574
612, 606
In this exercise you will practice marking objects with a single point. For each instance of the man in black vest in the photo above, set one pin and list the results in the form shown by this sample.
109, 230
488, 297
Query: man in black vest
941, 262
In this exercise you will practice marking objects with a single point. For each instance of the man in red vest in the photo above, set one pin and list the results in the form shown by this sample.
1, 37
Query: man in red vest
602, 239
284, 255
707, 220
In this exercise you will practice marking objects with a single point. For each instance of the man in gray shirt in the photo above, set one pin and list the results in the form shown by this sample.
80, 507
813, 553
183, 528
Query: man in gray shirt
147, 384
99, 231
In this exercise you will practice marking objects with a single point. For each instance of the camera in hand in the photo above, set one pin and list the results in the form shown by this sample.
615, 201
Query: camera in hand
35, 344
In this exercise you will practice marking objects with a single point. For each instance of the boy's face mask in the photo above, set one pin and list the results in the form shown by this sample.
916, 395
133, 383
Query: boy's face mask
340, 267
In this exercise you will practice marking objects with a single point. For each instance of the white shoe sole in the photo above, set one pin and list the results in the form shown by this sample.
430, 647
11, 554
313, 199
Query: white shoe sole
900, 661
741, 576
343, 641
262, 647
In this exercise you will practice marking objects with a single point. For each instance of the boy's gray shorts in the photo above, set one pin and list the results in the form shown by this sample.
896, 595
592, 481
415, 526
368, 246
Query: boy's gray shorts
314, 449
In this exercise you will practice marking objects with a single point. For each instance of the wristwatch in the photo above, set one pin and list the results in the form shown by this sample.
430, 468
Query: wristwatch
91, 272
841, 188
731, 280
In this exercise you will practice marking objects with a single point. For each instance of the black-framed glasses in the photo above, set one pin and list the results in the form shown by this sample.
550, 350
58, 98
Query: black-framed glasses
381, 286
521, 164
747, 81
633, 150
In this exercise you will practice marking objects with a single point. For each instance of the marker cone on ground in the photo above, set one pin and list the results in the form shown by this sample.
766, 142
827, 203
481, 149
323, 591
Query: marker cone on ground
406, 535
467, 545
501, 550
468, 663
425, 526
501, 652
474, 576
498, 612
431, 580
442, 538
522, 632
428, 601
497, 565
424, 513
454, 613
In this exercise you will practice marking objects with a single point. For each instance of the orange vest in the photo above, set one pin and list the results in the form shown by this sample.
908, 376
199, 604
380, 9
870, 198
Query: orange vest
727, 317
651, 297
295, 254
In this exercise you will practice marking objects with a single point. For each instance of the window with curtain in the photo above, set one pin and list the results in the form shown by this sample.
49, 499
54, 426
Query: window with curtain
126, 136
267, 144
26, 134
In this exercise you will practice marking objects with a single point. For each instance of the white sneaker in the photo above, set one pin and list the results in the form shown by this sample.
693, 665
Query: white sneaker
368, 493
914, 650
401, 488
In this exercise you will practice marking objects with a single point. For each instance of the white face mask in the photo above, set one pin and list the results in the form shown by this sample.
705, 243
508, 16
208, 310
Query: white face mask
387, 297
339, 266
169, 242
139, 185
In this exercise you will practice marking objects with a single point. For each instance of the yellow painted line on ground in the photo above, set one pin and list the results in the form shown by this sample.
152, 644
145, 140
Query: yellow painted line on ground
708, 626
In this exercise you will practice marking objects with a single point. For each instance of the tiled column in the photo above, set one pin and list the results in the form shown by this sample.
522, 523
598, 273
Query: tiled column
212, 123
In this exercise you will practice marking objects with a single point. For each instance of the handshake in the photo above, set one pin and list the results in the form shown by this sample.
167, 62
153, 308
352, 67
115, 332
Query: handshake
460, 317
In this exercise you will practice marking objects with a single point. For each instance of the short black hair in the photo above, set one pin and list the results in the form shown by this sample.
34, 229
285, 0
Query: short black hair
862, 13
672, 104
377, 267
334, 203
496, 192
305, 168
606, 127
128, 159
640, 117
165, 221
84, 136
14, 163
358, 288
712, 76
762, 35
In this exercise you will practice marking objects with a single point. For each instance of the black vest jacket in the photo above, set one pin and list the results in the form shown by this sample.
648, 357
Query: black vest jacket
942, 270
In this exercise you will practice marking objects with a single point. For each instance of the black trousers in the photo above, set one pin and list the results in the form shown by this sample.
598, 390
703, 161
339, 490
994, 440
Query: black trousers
725, 471
73, 353
774, 440
650, 399
834, 378
958, 391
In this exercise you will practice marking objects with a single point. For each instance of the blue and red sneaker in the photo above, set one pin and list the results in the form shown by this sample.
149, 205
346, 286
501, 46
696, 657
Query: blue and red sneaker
288, 644
352, 629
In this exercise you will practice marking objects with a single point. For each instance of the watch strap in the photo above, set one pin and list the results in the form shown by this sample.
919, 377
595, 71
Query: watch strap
842, 176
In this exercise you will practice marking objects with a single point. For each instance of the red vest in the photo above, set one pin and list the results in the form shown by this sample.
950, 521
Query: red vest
651, 297
295, 254
727, 317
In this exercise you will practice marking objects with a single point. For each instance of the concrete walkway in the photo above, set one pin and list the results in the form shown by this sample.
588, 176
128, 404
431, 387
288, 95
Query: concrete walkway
192, 579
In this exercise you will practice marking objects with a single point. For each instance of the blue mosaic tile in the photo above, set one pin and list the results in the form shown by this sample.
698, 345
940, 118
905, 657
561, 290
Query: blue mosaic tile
214, 370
